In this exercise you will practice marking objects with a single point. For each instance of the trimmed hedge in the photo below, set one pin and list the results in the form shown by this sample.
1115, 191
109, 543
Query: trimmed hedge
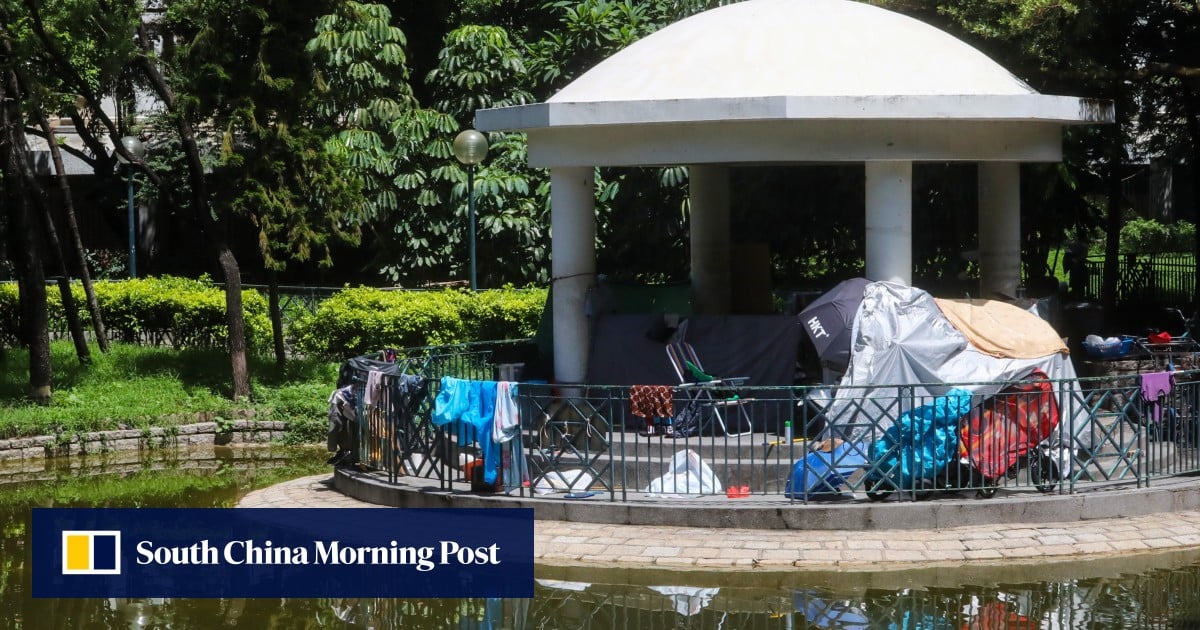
354, 321
360, 320
177, 311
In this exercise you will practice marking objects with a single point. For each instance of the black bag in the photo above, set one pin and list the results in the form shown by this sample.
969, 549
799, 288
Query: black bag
686, 422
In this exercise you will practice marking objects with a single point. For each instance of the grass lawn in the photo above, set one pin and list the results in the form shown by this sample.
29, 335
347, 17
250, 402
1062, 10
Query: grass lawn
139, 387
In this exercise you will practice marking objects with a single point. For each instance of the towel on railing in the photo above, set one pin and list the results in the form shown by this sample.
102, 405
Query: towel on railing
455, 398
471, 404
1156, 386
373, 391
507, 424
651, 401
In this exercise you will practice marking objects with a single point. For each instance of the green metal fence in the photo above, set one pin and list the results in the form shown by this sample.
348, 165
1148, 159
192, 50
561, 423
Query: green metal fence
799, 444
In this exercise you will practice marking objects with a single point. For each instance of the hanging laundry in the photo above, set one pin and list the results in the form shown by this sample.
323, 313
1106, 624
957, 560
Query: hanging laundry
651, 401
373, 393
342, 437
471, 404
1156, 387
455, 397
514, 466
507, 422
484, 418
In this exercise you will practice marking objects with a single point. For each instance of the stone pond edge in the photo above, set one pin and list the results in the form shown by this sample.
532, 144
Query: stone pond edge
205, 430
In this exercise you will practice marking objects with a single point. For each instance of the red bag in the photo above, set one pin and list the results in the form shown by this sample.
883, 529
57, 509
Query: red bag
997, 616
1009, 424
1160, 337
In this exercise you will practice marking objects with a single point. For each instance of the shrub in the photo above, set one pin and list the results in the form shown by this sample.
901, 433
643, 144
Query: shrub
1148, 236
1183, 236
187, 312
192, 312
505, 314
360, 320
9, 314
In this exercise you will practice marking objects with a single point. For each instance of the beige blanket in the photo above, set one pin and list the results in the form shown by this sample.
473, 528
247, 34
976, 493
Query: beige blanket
1001, 329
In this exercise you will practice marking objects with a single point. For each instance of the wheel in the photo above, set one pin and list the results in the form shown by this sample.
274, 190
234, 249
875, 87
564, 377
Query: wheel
879, 489
1043, 473
924, 490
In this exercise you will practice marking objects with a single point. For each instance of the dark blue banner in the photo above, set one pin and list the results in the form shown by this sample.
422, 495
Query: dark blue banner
247, 552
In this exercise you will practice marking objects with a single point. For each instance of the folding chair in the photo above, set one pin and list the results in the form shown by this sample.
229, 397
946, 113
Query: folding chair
715, 397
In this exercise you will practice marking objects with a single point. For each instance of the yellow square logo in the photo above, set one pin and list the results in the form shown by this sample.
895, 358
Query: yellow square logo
91, 552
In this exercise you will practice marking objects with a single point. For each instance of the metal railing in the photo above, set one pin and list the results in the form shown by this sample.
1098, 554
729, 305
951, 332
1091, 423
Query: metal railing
796, 444
1164, 279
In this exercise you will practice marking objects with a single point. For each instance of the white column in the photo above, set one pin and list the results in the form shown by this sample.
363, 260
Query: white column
999, 228
889, 222
572, 266
708, 193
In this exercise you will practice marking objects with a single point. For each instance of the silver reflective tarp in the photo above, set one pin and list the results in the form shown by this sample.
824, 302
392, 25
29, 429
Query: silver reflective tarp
901, 338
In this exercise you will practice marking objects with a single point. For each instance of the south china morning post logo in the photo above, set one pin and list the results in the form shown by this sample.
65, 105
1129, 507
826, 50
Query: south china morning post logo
446, 553
91, 552
265, 552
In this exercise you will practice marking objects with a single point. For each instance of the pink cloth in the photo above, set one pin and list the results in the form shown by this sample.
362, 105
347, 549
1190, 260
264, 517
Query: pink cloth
1156, 387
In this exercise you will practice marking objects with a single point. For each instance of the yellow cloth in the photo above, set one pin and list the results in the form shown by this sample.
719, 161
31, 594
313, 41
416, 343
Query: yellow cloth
1001, 329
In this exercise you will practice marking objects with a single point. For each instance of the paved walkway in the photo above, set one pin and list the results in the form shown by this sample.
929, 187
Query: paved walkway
561, 543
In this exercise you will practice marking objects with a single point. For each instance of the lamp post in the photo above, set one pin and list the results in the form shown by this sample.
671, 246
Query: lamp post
470, 147
135, 148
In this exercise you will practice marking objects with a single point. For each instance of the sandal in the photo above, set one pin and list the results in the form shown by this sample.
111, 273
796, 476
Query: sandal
737, 492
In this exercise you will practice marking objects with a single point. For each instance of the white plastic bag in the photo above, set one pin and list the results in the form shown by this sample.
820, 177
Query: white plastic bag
572, 480
688, 474
688, 600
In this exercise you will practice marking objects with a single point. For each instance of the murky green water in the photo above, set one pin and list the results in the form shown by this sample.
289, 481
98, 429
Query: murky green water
1157, 591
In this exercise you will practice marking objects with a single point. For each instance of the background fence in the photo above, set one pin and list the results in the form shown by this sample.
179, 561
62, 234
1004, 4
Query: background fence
1143, 281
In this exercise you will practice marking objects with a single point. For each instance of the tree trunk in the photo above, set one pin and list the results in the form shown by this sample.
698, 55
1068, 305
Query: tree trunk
276, 318
237, 331
70, 309
234, 318
35, 323
76, 240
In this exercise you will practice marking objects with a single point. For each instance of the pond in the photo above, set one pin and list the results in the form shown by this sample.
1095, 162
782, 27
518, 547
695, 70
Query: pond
1144, 591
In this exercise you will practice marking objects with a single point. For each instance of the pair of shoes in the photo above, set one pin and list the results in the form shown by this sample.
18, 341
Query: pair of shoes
647, 432
737, 492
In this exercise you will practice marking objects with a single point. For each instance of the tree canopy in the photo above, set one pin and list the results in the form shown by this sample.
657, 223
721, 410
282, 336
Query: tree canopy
320, 133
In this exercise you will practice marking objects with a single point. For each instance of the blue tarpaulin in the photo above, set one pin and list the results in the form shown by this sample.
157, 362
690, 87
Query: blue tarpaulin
922, 441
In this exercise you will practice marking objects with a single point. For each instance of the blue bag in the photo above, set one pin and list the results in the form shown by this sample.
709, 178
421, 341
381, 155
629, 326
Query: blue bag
824, 472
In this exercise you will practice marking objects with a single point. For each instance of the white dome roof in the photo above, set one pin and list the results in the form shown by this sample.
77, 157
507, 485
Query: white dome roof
763, 48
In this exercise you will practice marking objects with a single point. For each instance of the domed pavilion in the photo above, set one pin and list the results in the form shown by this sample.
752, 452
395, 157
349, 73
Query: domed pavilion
787, 82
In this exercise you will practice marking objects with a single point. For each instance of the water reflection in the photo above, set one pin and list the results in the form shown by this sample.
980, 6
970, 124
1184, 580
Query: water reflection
1159, 599
1134, 592
1168, 598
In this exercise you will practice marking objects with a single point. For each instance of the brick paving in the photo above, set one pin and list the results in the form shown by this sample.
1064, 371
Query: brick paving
580, 544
